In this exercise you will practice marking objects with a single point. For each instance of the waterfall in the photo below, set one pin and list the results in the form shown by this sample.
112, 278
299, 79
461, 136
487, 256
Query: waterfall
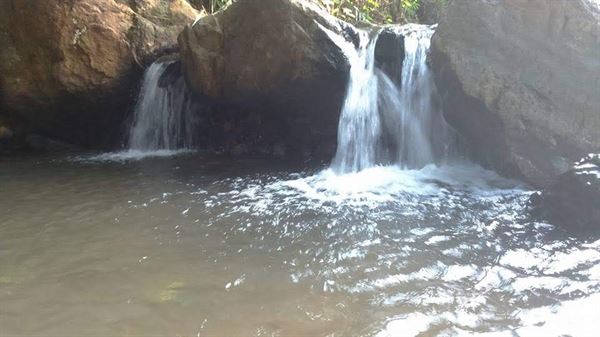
382, 122
359, 126
162, 119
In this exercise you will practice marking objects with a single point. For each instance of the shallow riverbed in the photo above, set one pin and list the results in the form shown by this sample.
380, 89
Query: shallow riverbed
194, 245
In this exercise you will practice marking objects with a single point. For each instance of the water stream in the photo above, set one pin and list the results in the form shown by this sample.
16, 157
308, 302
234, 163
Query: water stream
359, 128
381, 243
162, 118
383, 123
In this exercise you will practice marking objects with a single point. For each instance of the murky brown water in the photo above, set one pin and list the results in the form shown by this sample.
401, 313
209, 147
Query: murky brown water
205, 246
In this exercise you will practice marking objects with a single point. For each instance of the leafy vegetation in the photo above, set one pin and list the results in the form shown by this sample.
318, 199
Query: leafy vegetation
373, 11
370, 11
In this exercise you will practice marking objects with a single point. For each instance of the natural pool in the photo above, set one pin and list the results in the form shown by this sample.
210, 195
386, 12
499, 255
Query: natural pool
192, 245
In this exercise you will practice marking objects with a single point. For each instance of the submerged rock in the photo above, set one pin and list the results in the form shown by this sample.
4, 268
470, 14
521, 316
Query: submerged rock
68, 67
276, 58
521, 80
573, 200
5, 133
39, 143
6, 139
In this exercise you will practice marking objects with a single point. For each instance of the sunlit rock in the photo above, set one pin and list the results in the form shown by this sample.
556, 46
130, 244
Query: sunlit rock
278, 58
68, 67
521, 80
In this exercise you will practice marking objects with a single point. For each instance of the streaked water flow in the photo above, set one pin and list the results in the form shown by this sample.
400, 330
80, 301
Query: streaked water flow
359, 128
162, 119
383, 123
423, 135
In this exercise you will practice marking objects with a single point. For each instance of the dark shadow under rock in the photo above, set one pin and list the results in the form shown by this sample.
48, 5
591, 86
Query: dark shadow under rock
573, 200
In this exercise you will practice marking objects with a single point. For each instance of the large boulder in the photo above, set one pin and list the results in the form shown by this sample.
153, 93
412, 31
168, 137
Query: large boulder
573, 200
68, 67
431, 11
521, 79
278, 59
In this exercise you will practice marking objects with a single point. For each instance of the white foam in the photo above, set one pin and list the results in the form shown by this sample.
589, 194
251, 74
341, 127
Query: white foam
594, 272
408, 326
561, 262
457, 332
459, 272
496, 277
437, 239
386, 183
523, 259
131, 155
577, 318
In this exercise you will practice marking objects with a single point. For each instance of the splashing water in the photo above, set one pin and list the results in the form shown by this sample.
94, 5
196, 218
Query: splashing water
382, 123
162, 118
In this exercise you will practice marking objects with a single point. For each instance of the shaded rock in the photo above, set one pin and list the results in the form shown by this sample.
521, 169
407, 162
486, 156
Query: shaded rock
521, 80
239, 150
5, 133
171, 75
573, 200
6, 139
68, 67
388, 50
39, 143
431, 11
276, 58
279, 150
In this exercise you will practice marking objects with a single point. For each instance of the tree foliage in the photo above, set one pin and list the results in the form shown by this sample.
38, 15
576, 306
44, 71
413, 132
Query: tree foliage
370, 11
373, 11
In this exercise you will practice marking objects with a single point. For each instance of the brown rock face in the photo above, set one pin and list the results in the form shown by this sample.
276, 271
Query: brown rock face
522, 79
275, 58
68, 66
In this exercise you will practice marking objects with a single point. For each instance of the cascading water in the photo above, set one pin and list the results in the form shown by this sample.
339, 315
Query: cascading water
382, 123
425, 137
359, 126
162, 117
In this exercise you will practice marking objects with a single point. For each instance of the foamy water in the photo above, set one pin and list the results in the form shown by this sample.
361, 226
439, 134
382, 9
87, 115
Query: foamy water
131, 155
